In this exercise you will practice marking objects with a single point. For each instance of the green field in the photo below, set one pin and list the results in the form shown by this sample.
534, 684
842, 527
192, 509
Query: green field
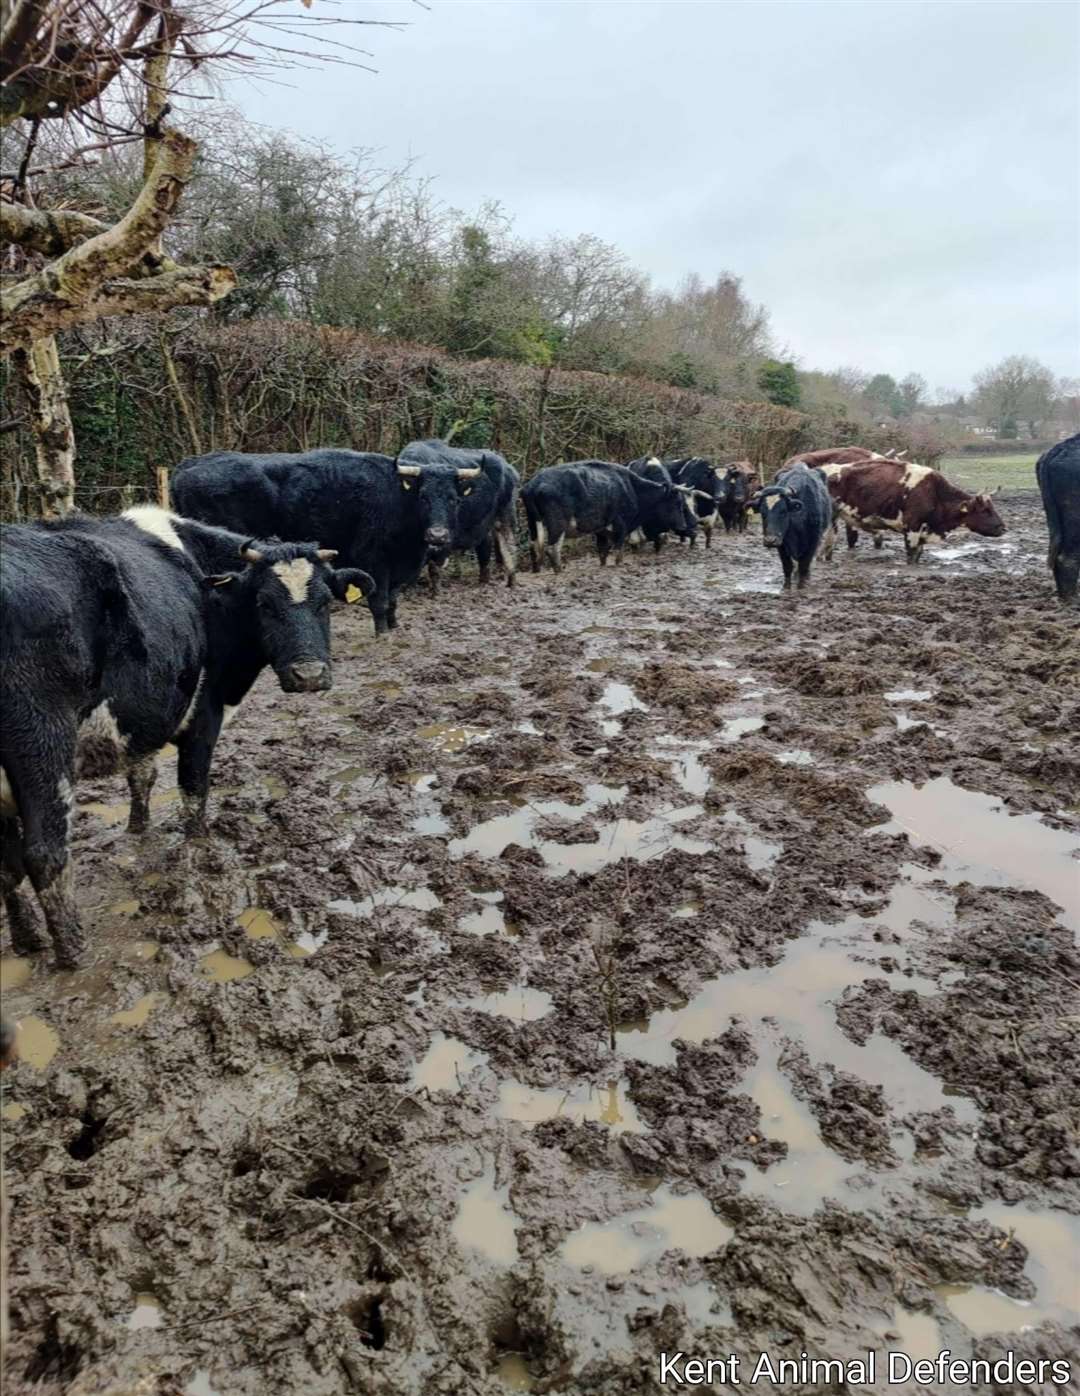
987, 472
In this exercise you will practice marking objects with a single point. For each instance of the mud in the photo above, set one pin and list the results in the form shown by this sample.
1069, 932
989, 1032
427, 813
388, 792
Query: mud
333, 1106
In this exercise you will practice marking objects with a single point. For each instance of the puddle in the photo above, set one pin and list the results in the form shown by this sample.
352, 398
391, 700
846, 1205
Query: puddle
223, 968
918, 1335
736, 727
141, 950
431, 825
909, 695
704, 1308
687, 767
13, 1111
760, 853
14, 973
146, 1313
796, 757
601, 665
36, 1043
306, 943
348, 775
489, 920
799, 994
686, 1223
986, 1310
113, 814
1052, 1241
259, 924
386, 689
200, 1385
608, 1105
446, 737
137, 1015
983, 843
445, 1064
415, 899
688, 911
512, 1371
522, 1004
621, 698
124, 908
484, 1221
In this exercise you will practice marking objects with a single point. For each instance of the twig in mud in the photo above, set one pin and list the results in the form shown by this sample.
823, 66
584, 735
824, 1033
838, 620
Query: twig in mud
378, 1245
216, 1318
607, 969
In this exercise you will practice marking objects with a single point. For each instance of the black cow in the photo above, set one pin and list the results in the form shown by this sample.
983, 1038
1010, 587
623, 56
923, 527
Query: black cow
657, 516
1058, 473
486, 512
700, 475
796, 513
385, 516
120, 635
591, 496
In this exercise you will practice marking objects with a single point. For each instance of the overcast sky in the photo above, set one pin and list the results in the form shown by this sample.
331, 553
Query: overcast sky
897, 182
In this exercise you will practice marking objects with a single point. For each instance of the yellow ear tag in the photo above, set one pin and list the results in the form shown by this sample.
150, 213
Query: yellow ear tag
353, 594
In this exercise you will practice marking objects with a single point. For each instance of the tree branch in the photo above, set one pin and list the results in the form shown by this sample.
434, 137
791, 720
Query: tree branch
38, 230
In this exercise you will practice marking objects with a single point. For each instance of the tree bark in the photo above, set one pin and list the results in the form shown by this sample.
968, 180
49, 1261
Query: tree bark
42, 381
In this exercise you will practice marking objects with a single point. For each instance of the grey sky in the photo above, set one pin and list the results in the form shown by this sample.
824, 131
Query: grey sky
897, 182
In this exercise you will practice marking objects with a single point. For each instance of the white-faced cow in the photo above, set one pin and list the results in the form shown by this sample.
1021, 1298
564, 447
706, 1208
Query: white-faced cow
910, 499
1058, 473
120, 635
387, 516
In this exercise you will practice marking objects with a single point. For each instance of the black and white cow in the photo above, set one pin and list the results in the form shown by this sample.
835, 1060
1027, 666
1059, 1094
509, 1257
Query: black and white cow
701, 476
485, 515
388, 517
1058, 473
796, 514
120, 635
610, 501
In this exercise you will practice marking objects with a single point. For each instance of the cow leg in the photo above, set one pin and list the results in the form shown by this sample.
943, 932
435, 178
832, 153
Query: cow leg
914, 550
195, 752
483, 559
618, 542
391, 609
378, 603
555, 552
503, 536
852, 536
603, 546
433, 578
804, 571
879, 541
788, 564
1065, 565
828, 543
707, 529
141, 777
22, 920
44, 794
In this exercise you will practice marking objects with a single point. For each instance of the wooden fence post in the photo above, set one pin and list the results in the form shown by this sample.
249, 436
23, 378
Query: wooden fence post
162, 473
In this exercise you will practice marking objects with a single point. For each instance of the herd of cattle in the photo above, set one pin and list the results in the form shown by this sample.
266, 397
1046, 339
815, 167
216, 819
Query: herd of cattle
120, 635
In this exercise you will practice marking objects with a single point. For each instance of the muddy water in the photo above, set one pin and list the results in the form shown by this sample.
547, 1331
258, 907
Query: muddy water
984, 843
224, 968
137, 1015
608, 1105
36, 1042
485, 1221
520, 1003
446, 1064
414, 899
146, 1313
447, 737
14, 973
669, 1221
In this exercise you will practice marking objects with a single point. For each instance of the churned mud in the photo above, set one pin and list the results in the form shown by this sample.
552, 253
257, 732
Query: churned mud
632, 961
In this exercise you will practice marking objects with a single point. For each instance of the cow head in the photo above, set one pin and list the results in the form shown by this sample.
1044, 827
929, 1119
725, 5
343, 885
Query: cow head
980, 515
777, 505
438, 491
665, 506
284, 595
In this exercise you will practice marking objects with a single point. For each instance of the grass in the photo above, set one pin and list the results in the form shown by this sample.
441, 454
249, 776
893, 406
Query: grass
1013, 472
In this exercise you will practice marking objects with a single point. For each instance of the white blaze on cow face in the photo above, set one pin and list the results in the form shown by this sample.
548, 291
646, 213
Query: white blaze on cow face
294, 577
159, 523
770, 501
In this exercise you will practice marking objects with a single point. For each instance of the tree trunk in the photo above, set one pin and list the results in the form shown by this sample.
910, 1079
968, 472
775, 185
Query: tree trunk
42, 381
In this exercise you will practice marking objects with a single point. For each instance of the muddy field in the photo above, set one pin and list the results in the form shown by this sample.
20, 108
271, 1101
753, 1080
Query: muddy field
335, 1106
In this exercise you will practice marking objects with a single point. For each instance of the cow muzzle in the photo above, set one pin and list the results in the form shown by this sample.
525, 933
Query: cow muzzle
306, 676
770, 542
438, 541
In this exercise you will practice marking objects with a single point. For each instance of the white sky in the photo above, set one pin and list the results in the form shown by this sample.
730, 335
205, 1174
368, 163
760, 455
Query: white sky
897, 182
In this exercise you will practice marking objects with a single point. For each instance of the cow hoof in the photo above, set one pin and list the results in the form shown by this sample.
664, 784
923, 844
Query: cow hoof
26, 937
70, 948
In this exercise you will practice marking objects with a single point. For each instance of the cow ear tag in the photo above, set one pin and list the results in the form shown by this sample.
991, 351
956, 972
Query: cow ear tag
353, 593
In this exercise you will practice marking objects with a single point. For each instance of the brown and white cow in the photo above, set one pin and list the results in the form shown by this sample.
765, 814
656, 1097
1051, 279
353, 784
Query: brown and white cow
832, 459
910, 499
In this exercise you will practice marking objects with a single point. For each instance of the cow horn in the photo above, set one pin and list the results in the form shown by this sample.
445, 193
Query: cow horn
468, 474
408, 469
654, 460
249, 552
326, 554
902, 455
889, 454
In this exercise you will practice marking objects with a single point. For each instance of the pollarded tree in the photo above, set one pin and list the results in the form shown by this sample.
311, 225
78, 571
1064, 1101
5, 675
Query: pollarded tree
109, 72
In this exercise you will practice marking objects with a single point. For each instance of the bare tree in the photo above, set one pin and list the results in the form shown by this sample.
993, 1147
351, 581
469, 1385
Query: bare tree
110, 71
1018, 389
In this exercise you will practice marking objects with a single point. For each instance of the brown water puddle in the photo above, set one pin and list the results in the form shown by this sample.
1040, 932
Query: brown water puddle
687, 767
512, 1370
13, 1111
736, 727
1052, 1241
760, 853
485, 1221
224, 968
670, 1222
983, 843
128, 908
201, 1385
489, 919
520, 1003
445, 1064
36, 1042
445, 736
137, 1015
608, 1105
146, 1313
14, 973
113, 814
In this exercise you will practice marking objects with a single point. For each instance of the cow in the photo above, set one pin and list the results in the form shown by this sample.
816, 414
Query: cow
832, 459
486, 513
739, 484
610, 501
700, 475
795, 514
385, 516
120, 635
910, 499
656, 522
1058, 473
